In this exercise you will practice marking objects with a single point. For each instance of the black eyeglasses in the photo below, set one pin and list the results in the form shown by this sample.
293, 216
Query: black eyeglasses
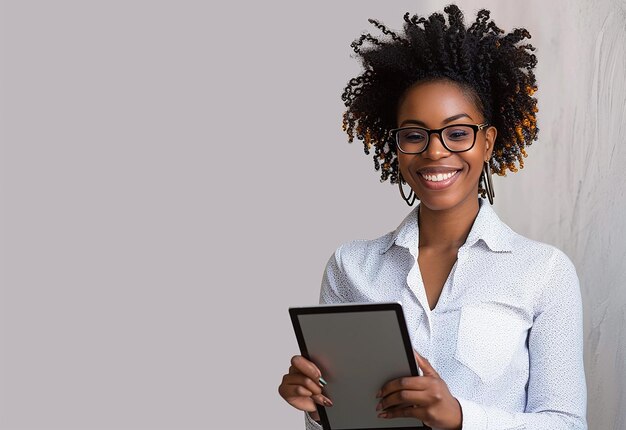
455, 137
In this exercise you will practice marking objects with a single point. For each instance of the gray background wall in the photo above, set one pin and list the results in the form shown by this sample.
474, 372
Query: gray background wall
174, 176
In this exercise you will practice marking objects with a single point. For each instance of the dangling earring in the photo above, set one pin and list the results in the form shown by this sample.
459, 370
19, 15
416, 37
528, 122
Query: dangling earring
486, 178
412, 196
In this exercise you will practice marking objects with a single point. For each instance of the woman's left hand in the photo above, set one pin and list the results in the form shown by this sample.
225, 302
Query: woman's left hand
424, 397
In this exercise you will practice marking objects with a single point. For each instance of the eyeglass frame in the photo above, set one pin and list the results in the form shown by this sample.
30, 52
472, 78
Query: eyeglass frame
476, 127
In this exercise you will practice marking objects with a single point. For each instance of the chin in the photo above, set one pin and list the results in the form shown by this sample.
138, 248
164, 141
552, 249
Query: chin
443, 201
438, 203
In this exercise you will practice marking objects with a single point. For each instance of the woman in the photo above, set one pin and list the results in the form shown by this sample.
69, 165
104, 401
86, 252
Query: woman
497, 315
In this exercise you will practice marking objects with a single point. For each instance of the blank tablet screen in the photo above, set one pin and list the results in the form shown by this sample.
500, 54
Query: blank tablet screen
358, 348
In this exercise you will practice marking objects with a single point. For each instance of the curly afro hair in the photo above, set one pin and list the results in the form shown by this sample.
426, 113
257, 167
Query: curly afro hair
489, 65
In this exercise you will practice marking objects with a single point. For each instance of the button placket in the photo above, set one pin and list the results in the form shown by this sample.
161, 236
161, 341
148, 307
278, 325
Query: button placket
414, 280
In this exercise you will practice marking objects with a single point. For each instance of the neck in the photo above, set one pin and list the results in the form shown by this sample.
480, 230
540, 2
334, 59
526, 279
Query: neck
448, 228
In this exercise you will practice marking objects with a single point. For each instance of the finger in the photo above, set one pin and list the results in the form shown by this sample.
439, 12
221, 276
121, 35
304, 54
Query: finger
425, 365
300, 391
323, 400
300, 397
294, 371
405, 398
293, 390
306, 367
409, 411
414, 383
304, 381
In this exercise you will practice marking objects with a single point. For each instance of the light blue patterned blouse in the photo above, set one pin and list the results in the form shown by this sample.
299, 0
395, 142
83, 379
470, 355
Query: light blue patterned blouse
506, 334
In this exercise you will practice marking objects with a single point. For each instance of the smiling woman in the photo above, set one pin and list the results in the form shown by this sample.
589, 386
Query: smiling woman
497, 315
452, 161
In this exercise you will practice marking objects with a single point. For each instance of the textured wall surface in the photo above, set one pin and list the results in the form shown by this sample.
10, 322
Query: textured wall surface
573, 192
174, 176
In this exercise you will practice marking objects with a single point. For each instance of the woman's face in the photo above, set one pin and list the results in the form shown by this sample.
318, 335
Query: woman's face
431, 105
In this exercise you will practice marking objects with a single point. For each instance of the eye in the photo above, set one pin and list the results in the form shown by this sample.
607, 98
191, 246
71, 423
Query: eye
412, 136
459, 133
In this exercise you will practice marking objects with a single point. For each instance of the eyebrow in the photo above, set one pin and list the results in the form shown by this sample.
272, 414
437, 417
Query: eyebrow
445, 121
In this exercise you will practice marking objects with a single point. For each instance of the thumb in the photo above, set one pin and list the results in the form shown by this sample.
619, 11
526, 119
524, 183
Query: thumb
425, 365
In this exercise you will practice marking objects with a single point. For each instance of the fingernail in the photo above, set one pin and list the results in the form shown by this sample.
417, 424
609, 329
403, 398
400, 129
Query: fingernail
379, 406
322, 382
379, 394
382, 415
327, 402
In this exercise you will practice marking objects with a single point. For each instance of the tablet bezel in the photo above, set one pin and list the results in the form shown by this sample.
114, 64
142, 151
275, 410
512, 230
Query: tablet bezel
396, 307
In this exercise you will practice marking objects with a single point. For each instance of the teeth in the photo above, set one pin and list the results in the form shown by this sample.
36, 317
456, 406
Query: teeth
438, 177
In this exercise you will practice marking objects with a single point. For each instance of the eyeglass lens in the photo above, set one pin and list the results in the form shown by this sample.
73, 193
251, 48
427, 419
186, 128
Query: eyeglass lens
456, 138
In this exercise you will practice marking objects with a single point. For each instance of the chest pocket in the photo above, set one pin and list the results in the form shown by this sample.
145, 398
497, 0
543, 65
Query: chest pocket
489, 336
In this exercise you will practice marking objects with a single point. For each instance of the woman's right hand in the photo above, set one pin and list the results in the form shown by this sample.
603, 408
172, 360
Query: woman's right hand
301, 387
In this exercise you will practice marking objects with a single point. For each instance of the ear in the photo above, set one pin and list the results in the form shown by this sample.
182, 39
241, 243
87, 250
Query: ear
490, 138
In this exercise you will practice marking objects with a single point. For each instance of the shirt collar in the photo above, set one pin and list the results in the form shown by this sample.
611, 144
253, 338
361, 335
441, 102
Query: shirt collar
487, 227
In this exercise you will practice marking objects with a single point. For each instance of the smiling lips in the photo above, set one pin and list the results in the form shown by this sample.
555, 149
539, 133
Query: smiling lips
439, 178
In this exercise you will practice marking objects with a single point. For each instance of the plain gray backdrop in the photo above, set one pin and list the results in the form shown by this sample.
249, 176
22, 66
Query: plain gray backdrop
174, 176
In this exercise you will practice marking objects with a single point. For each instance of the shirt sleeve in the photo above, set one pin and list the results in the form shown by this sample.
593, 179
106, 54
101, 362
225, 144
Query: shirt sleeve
557, 393
334, 281
310, 423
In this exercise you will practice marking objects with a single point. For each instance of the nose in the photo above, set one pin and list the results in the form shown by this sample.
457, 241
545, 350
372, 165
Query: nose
436, 149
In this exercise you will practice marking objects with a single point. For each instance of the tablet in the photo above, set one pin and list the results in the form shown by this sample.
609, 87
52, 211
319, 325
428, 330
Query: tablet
358, 347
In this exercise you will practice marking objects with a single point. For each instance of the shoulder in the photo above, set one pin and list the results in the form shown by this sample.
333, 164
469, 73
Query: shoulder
516, 252
350, 269
535, 269
361, 252
551, 271
545, 257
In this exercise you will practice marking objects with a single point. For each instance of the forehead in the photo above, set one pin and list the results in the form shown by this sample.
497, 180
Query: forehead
432, 102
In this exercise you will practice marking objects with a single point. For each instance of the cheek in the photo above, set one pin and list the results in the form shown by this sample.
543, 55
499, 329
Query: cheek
402, 163
475, 162
475, 170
